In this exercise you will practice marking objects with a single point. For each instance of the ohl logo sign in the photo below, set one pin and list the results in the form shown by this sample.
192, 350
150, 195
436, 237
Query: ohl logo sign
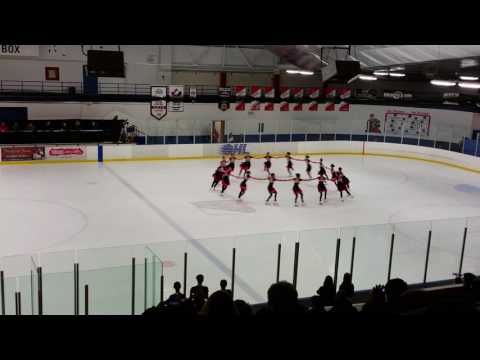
231, 149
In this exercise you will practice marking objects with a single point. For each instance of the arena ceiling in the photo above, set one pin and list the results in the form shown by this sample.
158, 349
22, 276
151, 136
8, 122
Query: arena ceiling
416, 59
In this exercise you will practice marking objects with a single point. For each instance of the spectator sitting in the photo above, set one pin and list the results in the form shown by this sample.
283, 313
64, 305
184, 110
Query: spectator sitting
176, 299
317, 306
282, 300
244, 309
48, 126
219, 305
394, 289
78, 125
64, 126
3, 127
15, 126
376, 301
223, 287
199, 293
327, 291
343, 304
347, 286
30, 127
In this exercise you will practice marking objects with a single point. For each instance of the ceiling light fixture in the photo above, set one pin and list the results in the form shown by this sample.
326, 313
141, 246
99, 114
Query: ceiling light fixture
469, 78
397, 74
443, 83
469, 85
380, 73
367, 77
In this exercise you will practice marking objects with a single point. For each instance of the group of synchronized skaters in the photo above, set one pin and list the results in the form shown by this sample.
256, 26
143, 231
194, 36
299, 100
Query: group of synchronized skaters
225, 170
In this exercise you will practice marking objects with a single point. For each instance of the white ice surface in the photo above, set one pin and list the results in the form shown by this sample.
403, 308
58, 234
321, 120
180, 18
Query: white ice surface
168, 204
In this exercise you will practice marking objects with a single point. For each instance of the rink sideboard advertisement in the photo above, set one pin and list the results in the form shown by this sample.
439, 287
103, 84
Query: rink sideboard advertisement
23, 154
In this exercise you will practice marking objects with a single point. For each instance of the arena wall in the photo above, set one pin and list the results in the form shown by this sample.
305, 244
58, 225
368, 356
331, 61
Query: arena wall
212, 151
445, 125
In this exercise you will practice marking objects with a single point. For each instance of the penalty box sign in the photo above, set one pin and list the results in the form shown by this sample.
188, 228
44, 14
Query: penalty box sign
158, 104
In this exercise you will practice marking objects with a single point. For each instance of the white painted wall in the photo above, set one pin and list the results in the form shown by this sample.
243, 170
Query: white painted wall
445, 124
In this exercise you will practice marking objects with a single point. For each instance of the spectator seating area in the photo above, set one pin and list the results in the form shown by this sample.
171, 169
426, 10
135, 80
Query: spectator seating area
395, 297
62, 131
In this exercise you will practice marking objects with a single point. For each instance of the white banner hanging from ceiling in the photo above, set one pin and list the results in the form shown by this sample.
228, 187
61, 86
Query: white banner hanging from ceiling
175, 93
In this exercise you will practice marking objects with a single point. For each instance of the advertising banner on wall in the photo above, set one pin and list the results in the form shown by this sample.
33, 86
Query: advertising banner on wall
256, 92
313, 106
19, 50
175, 93
193, 92
284, 106
297, 93
284, 92
240, 91
345, 93
297, 107
255, 106
397, 95
329, 106
268, 106
240, 106
269, 92
314, 93
66, 152
411, 123
330, 93
344, 106
23, 153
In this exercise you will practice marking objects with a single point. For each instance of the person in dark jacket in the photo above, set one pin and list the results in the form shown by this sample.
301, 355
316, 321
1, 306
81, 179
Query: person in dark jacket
327, 291
199, 293
346, 286
282, 300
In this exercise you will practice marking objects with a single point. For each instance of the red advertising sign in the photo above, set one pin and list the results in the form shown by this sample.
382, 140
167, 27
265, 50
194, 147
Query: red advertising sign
23, 153
67, 152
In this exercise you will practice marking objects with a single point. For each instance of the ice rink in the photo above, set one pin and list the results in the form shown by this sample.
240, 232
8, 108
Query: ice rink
168, 204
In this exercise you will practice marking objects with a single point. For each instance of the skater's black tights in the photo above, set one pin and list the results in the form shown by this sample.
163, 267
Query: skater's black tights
214, 184
268, 199
241, 194
224, 187
321, 195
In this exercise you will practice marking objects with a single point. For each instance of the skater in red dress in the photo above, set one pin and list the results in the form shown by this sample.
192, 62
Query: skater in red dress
217, 176
245, 165
296, 188
268, 163
309, 166
271, 190
226, 178
323, 171
341, 186
345, 179
231, 163
243, 184
322, 188
333, 172
289, 163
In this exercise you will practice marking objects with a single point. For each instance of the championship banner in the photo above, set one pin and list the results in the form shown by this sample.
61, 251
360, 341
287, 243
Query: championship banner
158, 104
314, 93
330, 93
240, 106
175, 93
313, 106
224, 95
23, 153
66, 152
240, 91
269, 92
344, 106
193, 92
256, 92
255, 106
297, 107
284, 106
284, 92
268, 106
345, 93
297, 93
329, 106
